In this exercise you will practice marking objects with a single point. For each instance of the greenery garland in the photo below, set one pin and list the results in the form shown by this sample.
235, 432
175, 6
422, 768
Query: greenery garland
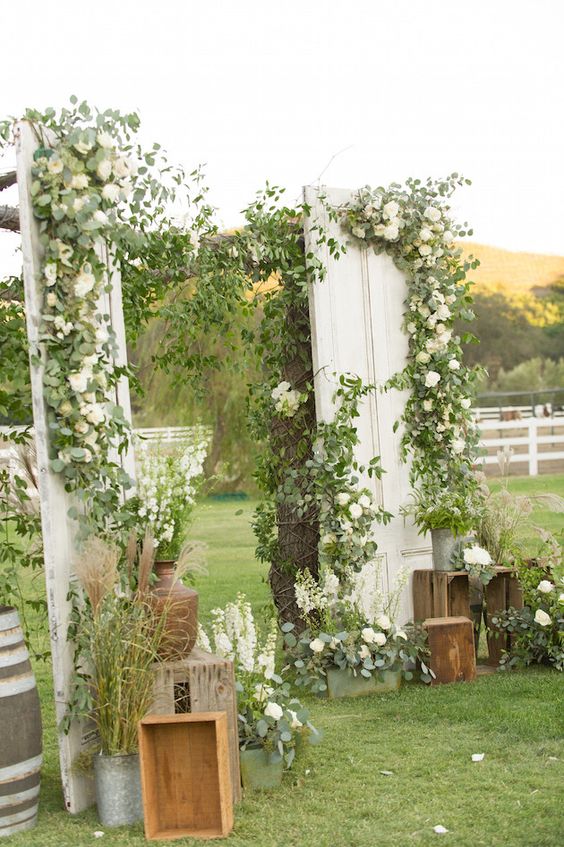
414, 226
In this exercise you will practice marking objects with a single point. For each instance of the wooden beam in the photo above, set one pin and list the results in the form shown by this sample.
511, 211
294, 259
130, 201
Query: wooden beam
8, 179
10, 218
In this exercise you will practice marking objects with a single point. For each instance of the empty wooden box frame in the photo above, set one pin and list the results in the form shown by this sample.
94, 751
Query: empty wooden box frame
185, 776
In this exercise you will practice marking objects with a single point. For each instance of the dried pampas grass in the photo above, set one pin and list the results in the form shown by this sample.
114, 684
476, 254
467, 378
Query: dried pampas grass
97, 569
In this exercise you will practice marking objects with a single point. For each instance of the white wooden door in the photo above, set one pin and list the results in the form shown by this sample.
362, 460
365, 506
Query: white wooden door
356, 316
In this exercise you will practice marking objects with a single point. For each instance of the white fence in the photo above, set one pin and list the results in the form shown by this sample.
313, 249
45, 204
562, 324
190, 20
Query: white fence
531, 434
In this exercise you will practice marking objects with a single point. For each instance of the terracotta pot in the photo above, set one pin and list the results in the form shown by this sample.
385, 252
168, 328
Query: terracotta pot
181, 605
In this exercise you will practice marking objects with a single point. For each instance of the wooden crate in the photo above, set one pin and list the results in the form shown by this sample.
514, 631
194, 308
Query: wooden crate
185, 776
451, 641
500, 593
201, 682
440, 594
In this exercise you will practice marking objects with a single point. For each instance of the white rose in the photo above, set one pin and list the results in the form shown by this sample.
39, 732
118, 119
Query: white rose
50, 272
65, 408
454, 365
343, 498
465, 403
101, 335
78, 204
280, 389
79, 380
356, 511
55, 165
432, 378
561, 597
111, 192
427, 405
105, 140
425, 234
425, 250
411, 328
365, 501
84, 283
458, 445
545, 586
448, 237
104, 169
96, 414
328, 539
273, 710
401, 634
317, 645
391, 232
81, 427
390, 209
432, 214
100, 217
358, 232
122, 167
475, 555
79, 181
368, 635
364, 652
384, 622
51, 299
542, 618
379, 639
443, 312
422, 357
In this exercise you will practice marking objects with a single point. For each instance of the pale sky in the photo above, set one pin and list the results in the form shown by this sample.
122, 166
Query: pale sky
273, 89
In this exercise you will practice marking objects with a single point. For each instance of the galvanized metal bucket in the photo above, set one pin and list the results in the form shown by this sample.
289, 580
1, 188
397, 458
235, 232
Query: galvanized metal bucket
444, 544
259, 771
118, 789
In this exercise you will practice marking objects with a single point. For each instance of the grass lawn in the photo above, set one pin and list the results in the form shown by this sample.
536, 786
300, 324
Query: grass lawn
336, 795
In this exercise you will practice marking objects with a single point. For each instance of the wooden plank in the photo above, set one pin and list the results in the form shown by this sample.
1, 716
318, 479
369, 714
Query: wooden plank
185, 776
438, 594
451, 642
58, 530
422, 587
206, 683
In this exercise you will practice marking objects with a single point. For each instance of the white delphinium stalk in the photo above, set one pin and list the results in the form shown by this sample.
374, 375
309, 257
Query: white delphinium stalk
267, 657
366, 596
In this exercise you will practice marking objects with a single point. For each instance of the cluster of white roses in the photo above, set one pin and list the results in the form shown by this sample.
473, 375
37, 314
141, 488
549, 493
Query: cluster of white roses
546, 587
166, 485
415, 227
77, 185
347, 525
287, 400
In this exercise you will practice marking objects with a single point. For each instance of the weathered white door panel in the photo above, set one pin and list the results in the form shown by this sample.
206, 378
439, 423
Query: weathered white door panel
356, 315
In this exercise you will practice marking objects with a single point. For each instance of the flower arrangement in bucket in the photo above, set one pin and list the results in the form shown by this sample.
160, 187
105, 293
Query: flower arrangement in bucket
118, 639
351, 644
272, 723
169, 477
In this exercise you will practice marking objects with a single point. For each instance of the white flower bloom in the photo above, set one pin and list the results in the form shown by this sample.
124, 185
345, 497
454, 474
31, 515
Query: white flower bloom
443, 312
411, 328
50, 273
390, 209
87, 455
432, 214
365, 501
105, 140
383, 622
317, 645
343, 498
401, 634
281, 389
78, 204
355, 511
328, 539
358, 232
111, 192
104, 169
454, 365
364, 652
273, 710
84, 282
545, 586
65, 408
427, 405
465, 402
542, 618
368, 634
81, 427
295, 722
432, 378
79, 380
100, 217
458, 445
379, 639
476, 555
79, 181
561, 597
83, 146
51, 299
423, 357
391, 232
123, 167
96, 414
262, 692
425, 250
55, 165
425, 234
448, 237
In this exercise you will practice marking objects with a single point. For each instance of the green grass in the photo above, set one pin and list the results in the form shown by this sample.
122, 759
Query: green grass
336, 796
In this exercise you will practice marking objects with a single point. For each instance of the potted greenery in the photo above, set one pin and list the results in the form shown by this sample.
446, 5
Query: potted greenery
119, 639
448, 515
351, 645
272, 723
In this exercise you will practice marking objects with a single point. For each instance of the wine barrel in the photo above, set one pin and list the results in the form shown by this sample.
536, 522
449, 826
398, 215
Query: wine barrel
20, 730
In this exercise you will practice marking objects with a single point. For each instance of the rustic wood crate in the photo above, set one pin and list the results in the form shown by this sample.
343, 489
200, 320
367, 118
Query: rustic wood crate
185, 776
440, 594
451, 642
201, 682
500, 593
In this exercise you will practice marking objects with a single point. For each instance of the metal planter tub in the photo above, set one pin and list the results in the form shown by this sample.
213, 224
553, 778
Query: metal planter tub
118, 789
343, 683
259, 771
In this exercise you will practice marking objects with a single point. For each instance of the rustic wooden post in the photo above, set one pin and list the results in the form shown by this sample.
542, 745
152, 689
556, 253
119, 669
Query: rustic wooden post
58, 529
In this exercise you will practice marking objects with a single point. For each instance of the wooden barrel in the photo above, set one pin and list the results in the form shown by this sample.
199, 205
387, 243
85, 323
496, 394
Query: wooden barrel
20, 729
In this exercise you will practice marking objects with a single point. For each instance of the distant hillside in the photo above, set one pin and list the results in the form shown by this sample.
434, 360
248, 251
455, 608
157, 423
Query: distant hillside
501, 270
